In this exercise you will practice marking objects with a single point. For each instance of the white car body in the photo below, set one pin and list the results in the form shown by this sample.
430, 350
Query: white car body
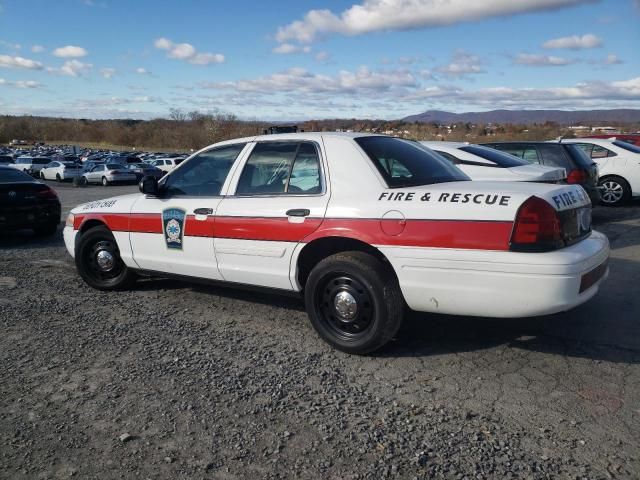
165, 164
479, 168
615, 159
58, 170
448, 243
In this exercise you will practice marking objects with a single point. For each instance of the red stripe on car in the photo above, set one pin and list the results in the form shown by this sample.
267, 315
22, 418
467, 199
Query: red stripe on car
463, 234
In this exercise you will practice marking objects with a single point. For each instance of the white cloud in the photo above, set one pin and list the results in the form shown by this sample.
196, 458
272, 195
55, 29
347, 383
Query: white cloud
462, 64
70, 51
381, 15
541, 60
142, 71
20, 83
187, 52
288, 48
12, 46
8, 61
37, 48
322, 56
72, 68
612, 59
108, 72
344, 82
574, 42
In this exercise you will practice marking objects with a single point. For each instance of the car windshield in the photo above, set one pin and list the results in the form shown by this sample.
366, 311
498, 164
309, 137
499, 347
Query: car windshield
404, 163
9, 175
501, 159
627, 146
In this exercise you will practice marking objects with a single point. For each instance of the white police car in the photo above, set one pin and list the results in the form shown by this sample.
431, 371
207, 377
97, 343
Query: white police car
362, 224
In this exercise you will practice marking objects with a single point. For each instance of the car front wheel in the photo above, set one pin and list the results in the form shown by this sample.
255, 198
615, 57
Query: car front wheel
98, 261
614, 190
354, 302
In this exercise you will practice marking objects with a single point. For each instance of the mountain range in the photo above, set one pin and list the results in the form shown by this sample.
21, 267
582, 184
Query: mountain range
564, 117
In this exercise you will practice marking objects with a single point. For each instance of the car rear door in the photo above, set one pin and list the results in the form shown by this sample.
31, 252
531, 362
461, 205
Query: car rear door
277, 198
173, 233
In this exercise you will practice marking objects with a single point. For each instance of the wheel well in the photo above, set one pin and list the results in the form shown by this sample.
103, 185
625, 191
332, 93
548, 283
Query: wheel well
322, 248
90, 224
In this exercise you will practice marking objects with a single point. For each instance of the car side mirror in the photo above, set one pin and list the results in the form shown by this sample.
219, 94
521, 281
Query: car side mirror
149, 186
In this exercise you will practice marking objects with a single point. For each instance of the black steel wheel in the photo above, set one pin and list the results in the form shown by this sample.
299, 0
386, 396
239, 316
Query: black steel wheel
98, 261
354, 302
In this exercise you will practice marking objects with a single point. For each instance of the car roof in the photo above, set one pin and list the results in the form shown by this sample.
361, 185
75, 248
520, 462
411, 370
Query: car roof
518, 142
601, 141
311, 136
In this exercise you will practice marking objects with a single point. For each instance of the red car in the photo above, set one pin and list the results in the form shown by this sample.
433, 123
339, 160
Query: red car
633, 138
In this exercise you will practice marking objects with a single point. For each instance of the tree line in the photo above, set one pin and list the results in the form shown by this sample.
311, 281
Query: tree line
193, 130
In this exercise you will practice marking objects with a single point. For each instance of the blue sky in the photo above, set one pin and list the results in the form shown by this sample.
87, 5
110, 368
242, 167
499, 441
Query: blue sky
315, 59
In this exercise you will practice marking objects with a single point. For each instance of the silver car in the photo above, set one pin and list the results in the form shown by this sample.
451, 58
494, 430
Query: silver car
108, 173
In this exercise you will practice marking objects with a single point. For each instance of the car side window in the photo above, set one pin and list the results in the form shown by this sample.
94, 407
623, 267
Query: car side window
596, 151
281, 168
204, 174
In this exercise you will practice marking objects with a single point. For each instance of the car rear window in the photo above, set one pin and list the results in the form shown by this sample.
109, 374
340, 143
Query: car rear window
579, 156
404, 163
8, 175
501, 159
627, 146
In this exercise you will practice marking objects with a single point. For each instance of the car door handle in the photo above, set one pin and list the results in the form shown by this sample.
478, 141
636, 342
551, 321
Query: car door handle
203, 211
298, 212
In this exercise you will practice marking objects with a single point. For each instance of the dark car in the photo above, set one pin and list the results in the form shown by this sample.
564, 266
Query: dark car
145, 170
27, 203
580, 168
6, 159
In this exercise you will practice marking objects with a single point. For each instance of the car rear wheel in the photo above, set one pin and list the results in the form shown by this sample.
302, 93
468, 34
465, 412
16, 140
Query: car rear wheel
58, 178
614, 191
42, 176
105, 182
98, 261
354, 302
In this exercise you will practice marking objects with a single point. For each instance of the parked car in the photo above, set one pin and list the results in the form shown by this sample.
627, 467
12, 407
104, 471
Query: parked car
6, 160
395, 224
618, 165
581, 170
27, 203
60, 171
483, 163
37, 164
633, 138
108, 173
166, 164
145, 170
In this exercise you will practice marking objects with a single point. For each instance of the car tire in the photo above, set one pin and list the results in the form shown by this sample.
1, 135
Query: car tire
354, 302
46, 230
84, 181
58, 178
615, 191
105, 182
42, 176
102, 271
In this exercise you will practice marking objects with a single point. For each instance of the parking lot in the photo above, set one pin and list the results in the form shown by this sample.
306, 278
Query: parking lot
177, 380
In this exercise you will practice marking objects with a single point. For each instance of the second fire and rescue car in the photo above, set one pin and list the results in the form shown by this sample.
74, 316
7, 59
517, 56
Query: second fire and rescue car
363, 225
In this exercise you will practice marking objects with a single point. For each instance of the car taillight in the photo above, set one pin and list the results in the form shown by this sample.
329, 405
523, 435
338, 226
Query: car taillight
537, 227
577, 176
48, 194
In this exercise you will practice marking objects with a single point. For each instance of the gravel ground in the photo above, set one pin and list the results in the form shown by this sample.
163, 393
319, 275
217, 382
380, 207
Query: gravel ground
175, 380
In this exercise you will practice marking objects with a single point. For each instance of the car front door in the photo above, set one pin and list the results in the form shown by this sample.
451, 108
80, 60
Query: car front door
275, 200
173, 233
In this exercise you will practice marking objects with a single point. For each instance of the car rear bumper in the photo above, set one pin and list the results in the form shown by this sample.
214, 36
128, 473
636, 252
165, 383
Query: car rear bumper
29, 216
500, 284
